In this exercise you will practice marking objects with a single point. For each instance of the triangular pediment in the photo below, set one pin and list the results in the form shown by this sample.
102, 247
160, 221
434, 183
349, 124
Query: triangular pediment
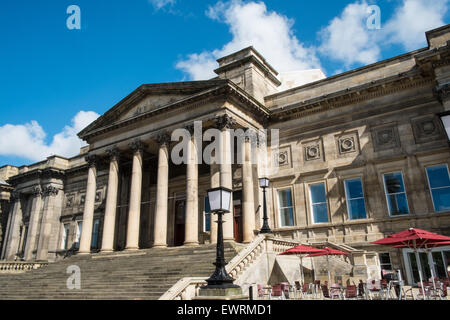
148, 98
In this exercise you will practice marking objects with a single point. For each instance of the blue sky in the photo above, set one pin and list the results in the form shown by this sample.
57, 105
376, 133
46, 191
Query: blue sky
54, 81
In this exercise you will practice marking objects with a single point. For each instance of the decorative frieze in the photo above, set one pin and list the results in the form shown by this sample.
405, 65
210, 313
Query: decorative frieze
427, 129
385, 137
442, 92
313, 150
347, 144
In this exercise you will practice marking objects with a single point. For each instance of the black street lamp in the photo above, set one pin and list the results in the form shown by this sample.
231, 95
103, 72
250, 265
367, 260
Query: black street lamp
219, 203
264, 183
445, 118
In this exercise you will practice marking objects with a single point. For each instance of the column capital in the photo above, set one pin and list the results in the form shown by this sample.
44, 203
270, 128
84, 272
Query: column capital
190, 128
50, 191
113, 153
15, 196
137, 146
163, 138
91, 159
224, 122
37, 191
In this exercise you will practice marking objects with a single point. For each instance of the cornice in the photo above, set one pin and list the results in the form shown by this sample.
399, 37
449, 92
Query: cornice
37, 174
349, 96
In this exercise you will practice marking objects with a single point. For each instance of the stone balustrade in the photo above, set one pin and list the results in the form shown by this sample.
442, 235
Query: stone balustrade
19, 266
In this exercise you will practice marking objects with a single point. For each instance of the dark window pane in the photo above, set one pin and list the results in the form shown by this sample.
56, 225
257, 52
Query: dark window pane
357, 209
394, 182
318, 193
354, 188
439, 263
438, 177
397, 204
285, 198
320, 213
441, 199
414, 268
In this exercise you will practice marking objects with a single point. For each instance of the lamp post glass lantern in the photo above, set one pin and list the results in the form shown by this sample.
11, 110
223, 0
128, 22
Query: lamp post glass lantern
220, 202
264, 183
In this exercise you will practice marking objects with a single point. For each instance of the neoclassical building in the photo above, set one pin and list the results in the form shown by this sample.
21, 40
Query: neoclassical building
361, 155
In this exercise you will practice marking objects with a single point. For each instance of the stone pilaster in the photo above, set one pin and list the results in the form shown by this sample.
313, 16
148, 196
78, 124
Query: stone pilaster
13, 236
33, 226
248, 208
162, 192
224, 123
49, 193
89, 205
191, 227
111, 201
215, 183
134, 213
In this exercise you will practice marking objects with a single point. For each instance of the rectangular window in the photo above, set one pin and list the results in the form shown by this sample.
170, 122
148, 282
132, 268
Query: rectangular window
354, 194
95, 231
319, 203
65, 236
439, 183
395, 194
207, 216
385, 261
79, 229
285, 208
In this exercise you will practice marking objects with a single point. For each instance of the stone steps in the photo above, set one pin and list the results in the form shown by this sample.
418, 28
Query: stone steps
145, 274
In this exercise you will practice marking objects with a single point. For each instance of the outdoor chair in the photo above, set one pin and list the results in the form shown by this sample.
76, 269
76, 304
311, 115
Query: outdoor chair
325, 292
316, 288
351, 292
286, 287
277, 292
374, 289
262, 293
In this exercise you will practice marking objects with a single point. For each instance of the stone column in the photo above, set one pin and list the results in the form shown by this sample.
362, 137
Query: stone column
89, 205
111, 202
162, 192
215, 183
134, 213
191, 226
13, 236
50, 192
224, 123
248, 207
34, 223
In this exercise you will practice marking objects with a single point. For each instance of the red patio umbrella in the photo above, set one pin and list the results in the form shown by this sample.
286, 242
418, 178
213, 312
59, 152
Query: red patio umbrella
328, 252
427, 246
300, 250
414, 239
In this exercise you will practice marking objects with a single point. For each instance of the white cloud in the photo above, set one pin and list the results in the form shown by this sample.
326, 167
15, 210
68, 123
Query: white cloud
159, 4
348, 39
28, 140
412, 19
251, 24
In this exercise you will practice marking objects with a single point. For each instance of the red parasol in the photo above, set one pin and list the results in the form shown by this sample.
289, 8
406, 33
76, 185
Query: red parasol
301, 250
414, 239
328, 252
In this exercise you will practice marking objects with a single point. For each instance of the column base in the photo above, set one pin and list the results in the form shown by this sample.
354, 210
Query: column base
132, 249
83, 253
191, 244
159, 246
106, 251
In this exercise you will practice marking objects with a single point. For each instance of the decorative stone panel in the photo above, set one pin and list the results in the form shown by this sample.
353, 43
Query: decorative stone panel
283, 157
427, 129
313, 150
70, 200
385, 137
347, 144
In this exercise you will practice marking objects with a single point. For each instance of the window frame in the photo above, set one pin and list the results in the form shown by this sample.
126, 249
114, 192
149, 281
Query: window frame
347, 198
279, 208
311, 203
386, 194
65, 236
429, 184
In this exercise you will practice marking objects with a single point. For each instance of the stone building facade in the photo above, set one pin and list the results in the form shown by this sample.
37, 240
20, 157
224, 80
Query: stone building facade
361, 155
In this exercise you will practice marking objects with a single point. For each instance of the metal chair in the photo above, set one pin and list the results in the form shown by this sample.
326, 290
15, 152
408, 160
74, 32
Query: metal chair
277, 292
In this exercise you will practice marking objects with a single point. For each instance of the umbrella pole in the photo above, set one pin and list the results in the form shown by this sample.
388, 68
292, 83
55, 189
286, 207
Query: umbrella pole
329, 274
301, 270
419, 266
430, 264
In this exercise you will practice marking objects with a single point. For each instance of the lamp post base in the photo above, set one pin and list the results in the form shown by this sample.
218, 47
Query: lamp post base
222, 292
